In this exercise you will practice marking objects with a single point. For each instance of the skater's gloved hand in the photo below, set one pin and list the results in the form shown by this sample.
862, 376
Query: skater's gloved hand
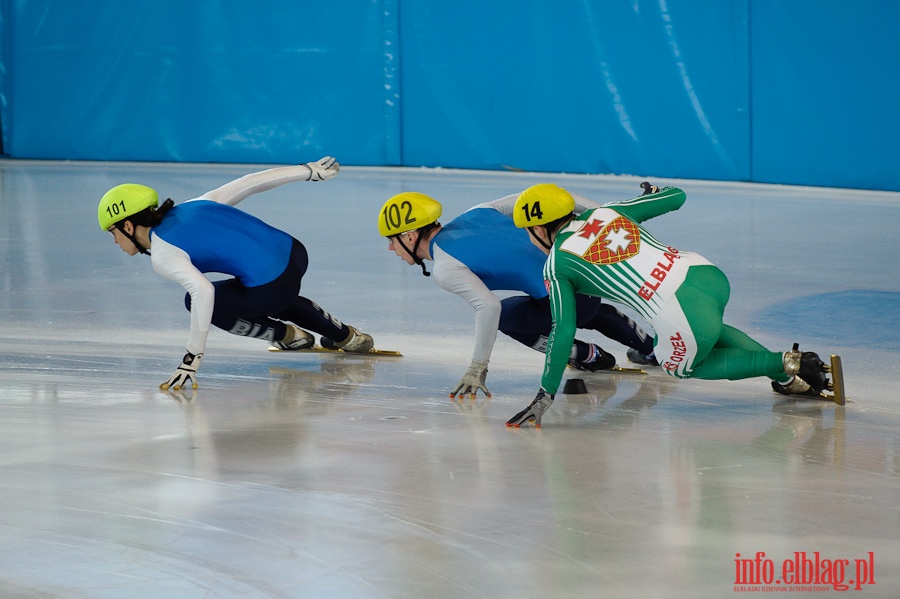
323, 169
187, 371
648, 189
534, 411
472, 381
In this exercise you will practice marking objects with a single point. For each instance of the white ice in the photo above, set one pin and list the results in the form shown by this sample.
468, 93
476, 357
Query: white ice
341, 476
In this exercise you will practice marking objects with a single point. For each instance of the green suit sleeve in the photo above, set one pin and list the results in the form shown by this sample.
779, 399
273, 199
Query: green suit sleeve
559, 343
646, 207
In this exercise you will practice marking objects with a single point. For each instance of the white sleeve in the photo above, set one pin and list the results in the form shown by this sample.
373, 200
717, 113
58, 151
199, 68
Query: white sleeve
506, 204
582, 203
503, 205
240, 189
173, 263
455, 277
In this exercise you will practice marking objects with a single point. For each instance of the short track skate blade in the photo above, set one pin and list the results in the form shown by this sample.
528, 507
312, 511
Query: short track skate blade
837, 381
326, 350
625, 370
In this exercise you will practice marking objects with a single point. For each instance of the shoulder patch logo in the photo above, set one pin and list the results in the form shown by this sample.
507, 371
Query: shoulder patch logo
601, 242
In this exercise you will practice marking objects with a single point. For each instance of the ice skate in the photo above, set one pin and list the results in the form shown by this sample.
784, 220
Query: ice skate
795, 386
356, 342
602, 360
810, 368
296, 339
637, 357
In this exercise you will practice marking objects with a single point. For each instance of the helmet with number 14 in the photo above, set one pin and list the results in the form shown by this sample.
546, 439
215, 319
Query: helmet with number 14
541, 204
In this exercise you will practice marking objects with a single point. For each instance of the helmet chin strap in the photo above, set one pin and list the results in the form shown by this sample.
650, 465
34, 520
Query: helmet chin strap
544, 244
549, 246
132, 239
412, 253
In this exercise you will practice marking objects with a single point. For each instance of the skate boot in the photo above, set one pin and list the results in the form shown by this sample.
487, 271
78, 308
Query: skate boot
795, 386
808, 367
355, 342
637, 357
296, 338
597, 360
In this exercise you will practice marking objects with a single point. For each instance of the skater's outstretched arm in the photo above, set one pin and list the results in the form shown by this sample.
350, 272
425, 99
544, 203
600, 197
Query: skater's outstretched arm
240, 189
650, 205
506, 204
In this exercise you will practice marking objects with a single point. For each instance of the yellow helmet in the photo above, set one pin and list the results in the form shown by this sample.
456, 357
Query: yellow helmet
541, 204
123, 201
407, 211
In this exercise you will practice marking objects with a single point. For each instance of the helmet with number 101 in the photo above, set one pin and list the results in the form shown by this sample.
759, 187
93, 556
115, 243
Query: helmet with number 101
123, 201
541, 204
407, 211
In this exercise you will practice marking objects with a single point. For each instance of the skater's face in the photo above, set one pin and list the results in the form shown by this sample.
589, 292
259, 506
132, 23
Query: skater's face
539, 238
127, 245
122, 241
409, 240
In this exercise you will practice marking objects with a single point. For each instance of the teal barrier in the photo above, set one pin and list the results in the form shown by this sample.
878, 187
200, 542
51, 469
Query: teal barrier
800, 92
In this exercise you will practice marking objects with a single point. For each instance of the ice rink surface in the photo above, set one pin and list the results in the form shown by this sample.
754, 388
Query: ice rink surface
328, 476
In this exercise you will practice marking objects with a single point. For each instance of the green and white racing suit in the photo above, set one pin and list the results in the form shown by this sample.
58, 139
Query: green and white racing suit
605, 252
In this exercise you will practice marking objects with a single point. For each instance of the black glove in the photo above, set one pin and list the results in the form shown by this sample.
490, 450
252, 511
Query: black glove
534, 411
187, 371
648, 189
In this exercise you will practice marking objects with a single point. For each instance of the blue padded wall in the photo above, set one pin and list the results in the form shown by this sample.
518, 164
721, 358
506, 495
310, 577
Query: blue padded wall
826, 93
800, 92
200, 81
597, 87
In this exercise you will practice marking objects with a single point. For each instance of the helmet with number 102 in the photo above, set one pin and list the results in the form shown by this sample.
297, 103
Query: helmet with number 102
541, 204
407, 211
123, 201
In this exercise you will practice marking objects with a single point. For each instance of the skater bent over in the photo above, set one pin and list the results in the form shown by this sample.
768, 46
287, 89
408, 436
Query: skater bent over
605, 252
481, 251
208, 234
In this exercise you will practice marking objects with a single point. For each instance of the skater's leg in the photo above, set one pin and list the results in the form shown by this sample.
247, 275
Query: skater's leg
735, 363
782, 382
735, 338
242, 310
258, 312
306, 314
529, 321
610, 322
526, 319
723, 352
248, 311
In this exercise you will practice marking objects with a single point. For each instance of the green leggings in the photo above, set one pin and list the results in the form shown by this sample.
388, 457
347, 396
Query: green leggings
723, 352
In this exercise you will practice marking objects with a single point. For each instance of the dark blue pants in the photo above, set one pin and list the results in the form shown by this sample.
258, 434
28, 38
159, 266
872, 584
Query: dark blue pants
259, 312
528, 320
